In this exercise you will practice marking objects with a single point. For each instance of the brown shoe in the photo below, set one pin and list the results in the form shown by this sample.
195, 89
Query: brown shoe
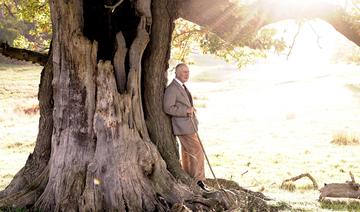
202, 186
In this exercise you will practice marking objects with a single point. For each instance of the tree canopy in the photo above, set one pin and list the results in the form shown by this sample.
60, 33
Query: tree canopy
27, 24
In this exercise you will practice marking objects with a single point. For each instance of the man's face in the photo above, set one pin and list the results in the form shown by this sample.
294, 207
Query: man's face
183, 74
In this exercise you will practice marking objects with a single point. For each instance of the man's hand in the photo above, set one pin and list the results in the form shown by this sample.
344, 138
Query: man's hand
190, 111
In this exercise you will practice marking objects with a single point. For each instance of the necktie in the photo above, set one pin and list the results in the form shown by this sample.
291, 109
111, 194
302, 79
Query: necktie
189, 95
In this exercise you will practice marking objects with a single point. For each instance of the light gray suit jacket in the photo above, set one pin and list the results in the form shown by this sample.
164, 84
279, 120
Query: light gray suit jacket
176, 103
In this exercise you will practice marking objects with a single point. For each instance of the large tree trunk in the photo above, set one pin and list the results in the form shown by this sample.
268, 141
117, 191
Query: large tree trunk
155, 80
102, 156
104, 142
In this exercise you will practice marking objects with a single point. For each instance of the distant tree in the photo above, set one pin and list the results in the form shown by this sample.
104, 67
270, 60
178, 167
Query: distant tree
104, 143
26, 24
354, 11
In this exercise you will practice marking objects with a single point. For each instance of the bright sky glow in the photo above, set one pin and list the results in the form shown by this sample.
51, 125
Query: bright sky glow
317, 41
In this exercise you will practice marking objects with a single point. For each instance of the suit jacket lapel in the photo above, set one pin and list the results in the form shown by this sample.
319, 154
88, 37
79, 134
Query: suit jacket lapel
182, 91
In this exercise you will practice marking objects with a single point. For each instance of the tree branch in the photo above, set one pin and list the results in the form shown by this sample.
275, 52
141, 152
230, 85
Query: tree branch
113, 7
293, 179
294, 40
317, 35
233, 22
23, 54
187, 32
9, 10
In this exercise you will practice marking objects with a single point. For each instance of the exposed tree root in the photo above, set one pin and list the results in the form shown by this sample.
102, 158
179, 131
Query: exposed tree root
233, 196
27, 196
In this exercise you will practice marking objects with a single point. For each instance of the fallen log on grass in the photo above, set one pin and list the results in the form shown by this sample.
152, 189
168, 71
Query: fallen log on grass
349, 189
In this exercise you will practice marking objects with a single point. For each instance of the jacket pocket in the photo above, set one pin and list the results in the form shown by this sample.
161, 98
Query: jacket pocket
183, 125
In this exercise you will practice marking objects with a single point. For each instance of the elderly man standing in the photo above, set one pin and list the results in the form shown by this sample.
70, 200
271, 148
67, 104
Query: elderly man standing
178, 103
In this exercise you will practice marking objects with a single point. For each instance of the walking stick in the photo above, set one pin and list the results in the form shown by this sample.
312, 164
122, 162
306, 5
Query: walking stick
202, 148
208, 161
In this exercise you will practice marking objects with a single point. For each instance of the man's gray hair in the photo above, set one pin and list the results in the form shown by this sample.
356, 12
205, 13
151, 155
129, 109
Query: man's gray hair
178, 66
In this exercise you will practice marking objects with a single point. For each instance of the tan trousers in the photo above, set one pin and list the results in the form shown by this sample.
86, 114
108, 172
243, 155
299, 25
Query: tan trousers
192, 156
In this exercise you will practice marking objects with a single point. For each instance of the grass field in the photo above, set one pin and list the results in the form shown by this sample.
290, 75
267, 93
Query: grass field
273, 122
18, 117
260, 126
